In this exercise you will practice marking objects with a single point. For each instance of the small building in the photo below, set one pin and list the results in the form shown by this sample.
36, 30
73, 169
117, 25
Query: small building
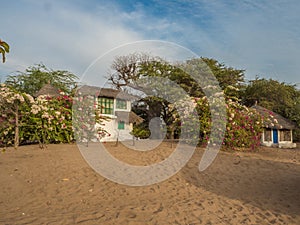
278, 132
48, 89
116, 106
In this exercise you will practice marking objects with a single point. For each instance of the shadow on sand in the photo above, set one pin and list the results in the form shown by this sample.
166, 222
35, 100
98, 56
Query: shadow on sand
268, 185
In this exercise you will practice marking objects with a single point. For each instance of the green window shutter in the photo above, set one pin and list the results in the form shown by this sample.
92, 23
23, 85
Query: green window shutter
121, 125
121, 104
106, 105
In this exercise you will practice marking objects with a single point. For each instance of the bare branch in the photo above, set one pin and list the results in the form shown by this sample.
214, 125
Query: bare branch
126, 68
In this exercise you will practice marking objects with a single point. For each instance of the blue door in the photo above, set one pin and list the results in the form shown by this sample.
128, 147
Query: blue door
275, 136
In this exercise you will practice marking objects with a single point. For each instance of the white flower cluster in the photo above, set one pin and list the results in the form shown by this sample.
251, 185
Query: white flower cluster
232, 88
210, 87
9, 96
185, 106
231, 116
30, 98
35, 109
42, 98
218, 94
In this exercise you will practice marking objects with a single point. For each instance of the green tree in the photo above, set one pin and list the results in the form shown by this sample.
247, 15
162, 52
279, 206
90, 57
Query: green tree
279, 97
225, 75
131, 69
128, 69
4, 48
231, 80
274, 95
35, 77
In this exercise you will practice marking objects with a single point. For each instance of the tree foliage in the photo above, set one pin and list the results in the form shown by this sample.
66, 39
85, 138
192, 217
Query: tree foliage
272, 94
130, 68
27, 120
46, 119
126, 69
4, 48
244, 130
35, 77
12, 121
276, 96
226, 76
199, 78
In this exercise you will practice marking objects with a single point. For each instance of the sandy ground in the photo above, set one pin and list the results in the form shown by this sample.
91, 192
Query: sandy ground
57, 186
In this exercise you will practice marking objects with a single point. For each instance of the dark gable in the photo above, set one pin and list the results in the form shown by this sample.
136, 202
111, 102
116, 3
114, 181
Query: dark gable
47, 89
104, 92
283, 123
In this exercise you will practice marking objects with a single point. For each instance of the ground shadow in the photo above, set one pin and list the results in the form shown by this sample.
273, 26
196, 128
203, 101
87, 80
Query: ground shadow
269, 185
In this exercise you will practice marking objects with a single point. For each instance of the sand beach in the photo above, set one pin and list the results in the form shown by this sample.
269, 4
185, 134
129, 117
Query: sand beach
55, 185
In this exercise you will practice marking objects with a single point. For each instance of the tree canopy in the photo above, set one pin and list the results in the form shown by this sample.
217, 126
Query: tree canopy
129, 68
225, 75
35, 77
191, 76
279, 97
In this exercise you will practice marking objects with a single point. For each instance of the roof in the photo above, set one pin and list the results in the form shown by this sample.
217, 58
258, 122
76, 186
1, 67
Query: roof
130, 117
283, 123
47, 89
133, 118
105, 92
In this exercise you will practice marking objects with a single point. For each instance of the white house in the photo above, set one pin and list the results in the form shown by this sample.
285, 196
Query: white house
279, 134
116, 106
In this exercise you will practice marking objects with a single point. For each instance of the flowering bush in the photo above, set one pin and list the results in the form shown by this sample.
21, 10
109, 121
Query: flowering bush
50, 120
243, 126
43, 120
12, 120
87, 119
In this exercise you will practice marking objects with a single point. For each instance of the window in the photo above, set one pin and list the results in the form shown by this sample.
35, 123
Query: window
267, 135
121, 104
285, 135
106, 105
121, 125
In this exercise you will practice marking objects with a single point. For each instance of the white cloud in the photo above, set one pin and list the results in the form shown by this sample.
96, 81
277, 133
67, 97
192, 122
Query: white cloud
259, 36
253, 35
61, 38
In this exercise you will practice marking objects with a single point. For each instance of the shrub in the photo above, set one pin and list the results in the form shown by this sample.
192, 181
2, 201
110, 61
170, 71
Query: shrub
43, 120
140, 131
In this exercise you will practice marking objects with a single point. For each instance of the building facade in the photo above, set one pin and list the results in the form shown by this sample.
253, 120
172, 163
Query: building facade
114, 105
278, 134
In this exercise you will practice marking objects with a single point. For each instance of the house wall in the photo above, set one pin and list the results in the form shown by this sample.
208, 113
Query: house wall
264, 142
286, 144
111, 126
280, 144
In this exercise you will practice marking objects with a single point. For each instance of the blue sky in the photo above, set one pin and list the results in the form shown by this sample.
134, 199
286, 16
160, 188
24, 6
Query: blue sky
260, 36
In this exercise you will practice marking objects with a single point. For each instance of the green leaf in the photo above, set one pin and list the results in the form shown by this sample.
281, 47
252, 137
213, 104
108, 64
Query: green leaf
5, 46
